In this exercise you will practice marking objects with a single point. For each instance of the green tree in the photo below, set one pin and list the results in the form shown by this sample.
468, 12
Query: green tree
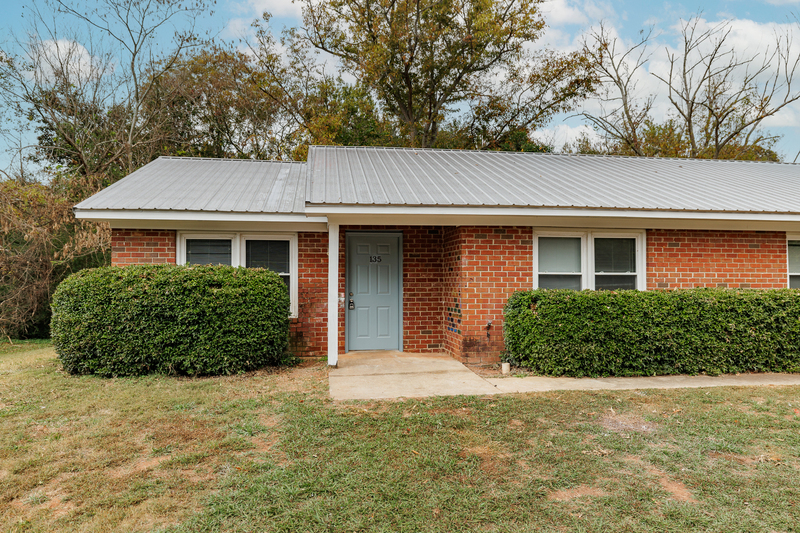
431, 61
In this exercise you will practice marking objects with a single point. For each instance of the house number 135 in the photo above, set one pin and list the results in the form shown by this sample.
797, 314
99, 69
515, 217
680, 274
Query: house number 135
374, 259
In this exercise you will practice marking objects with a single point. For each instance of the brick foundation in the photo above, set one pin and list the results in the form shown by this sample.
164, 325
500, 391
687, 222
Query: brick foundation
137, 247
679, 259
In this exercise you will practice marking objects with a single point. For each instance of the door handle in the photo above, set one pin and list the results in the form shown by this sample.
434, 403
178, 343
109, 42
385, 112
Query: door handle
351, 305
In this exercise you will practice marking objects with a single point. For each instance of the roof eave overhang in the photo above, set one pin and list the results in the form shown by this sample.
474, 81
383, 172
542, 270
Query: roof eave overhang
556, 217
188, 220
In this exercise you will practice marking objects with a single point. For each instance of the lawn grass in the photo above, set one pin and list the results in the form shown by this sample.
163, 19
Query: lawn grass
270, 451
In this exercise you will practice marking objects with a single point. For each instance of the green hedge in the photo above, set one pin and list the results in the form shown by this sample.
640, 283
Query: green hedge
184, 320
631, 333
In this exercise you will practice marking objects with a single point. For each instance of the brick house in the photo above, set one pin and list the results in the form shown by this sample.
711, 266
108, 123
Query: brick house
418, 250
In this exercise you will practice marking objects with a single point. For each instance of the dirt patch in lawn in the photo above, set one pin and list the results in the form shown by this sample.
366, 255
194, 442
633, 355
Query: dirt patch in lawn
582, 491
736, 458
137, 467
493, 461
677, 490
626, 423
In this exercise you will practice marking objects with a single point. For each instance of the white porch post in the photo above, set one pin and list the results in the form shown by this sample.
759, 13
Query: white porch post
333, 294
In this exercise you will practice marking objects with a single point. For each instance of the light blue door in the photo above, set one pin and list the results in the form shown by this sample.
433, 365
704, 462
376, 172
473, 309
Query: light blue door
373, 291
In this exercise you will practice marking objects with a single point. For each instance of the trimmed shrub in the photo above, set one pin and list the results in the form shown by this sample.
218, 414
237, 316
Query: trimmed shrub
632, 333
166, 319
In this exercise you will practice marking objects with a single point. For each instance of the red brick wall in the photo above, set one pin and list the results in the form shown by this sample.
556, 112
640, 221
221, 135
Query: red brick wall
308, 331
451, 290
456, 279
422, 285
495, 262
137, 247
681, 259
423, 330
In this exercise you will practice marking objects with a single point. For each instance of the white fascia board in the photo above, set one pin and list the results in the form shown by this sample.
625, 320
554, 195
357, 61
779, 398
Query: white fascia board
548, 212
211, 216
562, 218
193, 220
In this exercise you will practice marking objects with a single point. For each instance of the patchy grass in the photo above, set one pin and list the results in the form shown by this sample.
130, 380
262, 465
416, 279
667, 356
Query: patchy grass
138, 454
270, 452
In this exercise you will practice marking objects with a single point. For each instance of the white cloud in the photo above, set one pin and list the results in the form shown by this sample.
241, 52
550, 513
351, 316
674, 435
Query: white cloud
278, 8
237, 28
562, 13
287, 11
560, 134
66, 58
576, 13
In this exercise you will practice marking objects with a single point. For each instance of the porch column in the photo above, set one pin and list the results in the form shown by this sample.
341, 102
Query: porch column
333, 294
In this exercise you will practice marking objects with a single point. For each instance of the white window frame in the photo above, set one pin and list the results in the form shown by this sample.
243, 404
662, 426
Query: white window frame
239, 254
182, 237
587, 252
293, 259
566, 234
789, 273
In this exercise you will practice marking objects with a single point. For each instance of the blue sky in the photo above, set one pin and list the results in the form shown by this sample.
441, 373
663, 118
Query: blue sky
753, 22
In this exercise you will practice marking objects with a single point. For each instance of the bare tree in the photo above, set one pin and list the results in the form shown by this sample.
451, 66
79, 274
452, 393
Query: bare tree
623, 114
719, 96
84, 78
723, 96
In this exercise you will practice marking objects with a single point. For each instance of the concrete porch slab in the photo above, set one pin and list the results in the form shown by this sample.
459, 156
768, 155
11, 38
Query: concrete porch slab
392, 374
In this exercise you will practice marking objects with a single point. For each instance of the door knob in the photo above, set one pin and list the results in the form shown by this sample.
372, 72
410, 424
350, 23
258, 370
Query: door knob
351, 305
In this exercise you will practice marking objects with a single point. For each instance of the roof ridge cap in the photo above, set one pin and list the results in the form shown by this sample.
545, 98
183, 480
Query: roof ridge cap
229, 159
544, 154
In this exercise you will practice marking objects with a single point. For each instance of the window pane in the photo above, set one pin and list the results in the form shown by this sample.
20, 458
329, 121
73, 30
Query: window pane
794, 282
208, 251
614, 283
794, 256
614, 255
555, 281
272, 255
559, 254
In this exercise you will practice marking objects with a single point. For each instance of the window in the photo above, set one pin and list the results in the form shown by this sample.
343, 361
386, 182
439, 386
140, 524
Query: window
560, 263
208, 251
589, 260
614, 263
794, 262
271, 251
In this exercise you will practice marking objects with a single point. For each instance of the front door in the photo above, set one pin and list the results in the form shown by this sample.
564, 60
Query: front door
373, 291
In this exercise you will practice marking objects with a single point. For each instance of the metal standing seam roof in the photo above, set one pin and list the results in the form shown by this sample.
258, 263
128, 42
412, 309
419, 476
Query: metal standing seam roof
373, 176
338, 176
202, 184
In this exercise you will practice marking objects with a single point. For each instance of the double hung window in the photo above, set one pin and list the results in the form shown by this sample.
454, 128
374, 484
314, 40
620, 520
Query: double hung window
793, 249
276, 252
589, 260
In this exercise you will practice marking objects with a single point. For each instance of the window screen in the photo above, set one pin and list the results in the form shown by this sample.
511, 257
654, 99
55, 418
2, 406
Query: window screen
208, 251
614, 263
269, 254
560, 263
794, 264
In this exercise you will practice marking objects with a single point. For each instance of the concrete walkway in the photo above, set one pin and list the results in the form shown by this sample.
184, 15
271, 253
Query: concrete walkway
390, 374
542, 384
